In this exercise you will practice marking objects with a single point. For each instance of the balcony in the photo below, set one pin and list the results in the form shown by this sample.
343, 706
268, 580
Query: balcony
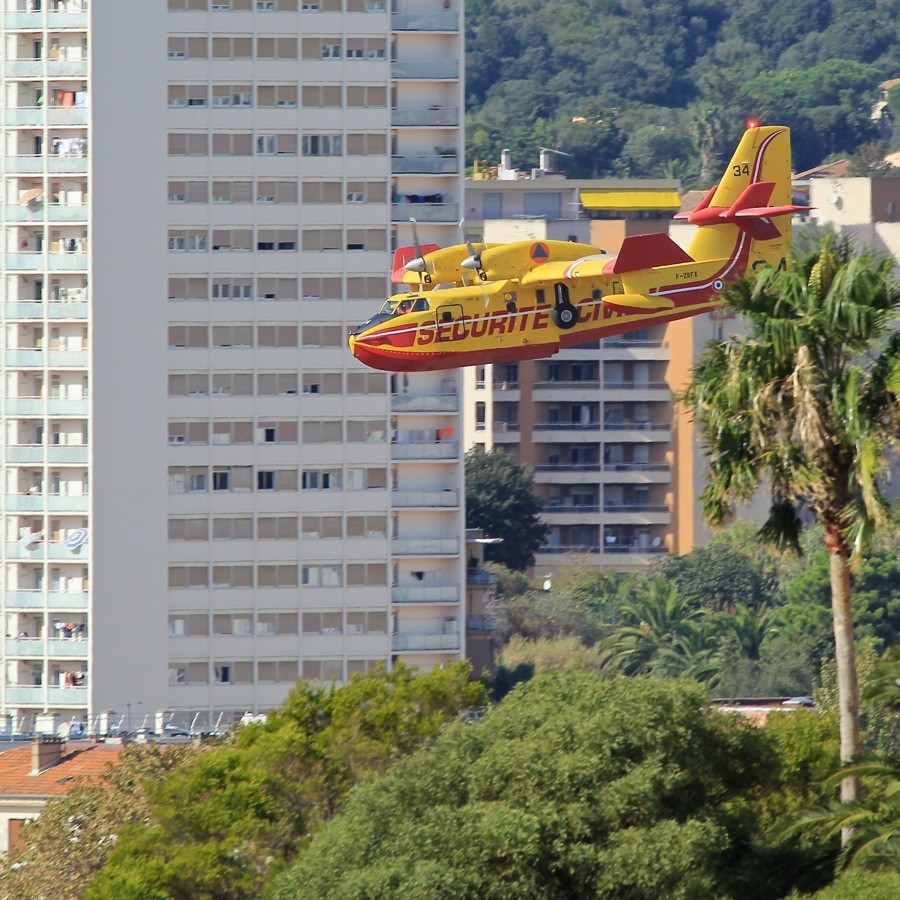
407, 403
424, 165
36, 358
441, 116
422, 21
425, 593
23, 116
65, 503
421, 451
24, 68
34, 453
569, 508
424, 547
33, 648
401, 643
635, 508
635, 385
62, 600
28, 695
424, 499
54, 406
36, 261
68, 115
67, 68
37, 309
52, 550
425, 212
65, 164
618, 550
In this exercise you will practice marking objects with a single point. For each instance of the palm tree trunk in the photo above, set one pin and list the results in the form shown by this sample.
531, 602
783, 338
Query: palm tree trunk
845, 657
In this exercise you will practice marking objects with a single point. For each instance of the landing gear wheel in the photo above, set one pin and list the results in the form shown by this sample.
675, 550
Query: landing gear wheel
564, 316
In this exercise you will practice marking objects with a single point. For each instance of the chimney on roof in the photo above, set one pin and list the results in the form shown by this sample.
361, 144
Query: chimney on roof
46, 751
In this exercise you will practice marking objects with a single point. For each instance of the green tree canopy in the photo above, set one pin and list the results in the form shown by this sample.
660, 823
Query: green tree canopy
500, 500
573, 787
219, 823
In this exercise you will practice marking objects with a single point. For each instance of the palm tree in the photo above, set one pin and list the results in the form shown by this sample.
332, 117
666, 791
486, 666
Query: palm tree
807, 403
750, 626
659, 632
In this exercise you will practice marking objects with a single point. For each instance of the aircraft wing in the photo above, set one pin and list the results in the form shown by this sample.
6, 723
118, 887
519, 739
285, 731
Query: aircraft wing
567, 270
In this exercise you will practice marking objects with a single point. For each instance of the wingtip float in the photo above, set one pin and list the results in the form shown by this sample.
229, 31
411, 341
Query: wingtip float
530, 299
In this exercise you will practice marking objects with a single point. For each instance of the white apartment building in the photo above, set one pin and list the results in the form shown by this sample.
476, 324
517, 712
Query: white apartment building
204, 496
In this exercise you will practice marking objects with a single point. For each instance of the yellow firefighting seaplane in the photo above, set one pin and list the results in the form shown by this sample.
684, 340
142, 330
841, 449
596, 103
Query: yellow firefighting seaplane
530, 299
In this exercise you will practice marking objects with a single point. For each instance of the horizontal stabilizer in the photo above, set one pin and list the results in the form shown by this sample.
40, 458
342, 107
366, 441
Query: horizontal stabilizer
638, 303
756, 194
703, 204
645, 251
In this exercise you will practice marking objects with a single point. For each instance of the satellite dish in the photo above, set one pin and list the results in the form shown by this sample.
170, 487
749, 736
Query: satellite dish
76, 538
834, 199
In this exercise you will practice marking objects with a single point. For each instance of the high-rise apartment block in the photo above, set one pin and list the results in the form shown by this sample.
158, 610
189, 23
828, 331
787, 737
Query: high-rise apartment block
204, 496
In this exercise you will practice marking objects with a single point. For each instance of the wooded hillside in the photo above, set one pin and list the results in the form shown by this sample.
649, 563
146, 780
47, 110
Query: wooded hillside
663, 88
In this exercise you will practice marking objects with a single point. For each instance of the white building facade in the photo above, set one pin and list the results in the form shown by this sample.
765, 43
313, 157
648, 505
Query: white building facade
204, 496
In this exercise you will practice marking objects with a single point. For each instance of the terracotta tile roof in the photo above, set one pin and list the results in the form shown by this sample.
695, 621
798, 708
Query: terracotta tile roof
836, 169
82, 762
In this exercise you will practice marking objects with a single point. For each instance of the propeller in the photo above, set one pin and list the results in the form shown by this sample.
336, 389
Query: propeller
473, 261
417, 263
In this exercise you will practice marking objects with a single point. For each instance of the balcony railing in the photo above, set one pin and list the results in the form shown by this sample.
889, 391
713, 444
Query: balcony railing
635, 385
446, 116
567, 426
425, 21
444, 450
425, 212
54, 406
635, 507
632, 342
424, 165
424, 547
604, 467
56, 165
430, 403
54, 550
637, 426
55, 453
608, 548
37, 309
36, 260
564, 507
425, 593
28, 695
591, 384
71, 648
404, 642
424, 499
33, 599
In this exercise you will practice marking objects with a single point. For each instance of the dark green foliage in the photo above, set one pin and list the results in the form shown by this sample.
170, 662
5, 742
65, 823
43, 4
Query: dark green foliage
574, 787
704, 65
500, 500
863, 886
221, 822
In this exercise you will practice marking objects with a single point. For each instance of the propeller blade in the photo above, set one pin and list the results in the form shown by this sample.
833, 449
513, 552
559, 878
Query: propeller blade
417, 263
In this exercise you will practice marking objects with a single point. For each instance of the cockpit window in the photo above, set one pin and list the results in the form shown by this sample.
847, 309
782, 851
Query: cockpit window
421, 305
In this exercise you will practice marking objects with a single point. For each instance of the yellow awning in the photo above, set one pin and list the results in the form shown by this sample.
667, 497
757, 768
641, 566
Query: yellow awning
630, 200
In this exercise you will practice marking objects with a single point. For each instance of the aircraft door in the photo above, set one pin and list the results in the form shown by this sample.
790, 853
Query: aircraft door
451, 322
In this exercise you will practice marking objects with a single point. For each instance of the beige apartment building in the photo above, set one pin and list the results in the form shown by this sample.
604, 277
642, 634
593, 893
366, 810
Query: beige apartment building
204, 496
596, 421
